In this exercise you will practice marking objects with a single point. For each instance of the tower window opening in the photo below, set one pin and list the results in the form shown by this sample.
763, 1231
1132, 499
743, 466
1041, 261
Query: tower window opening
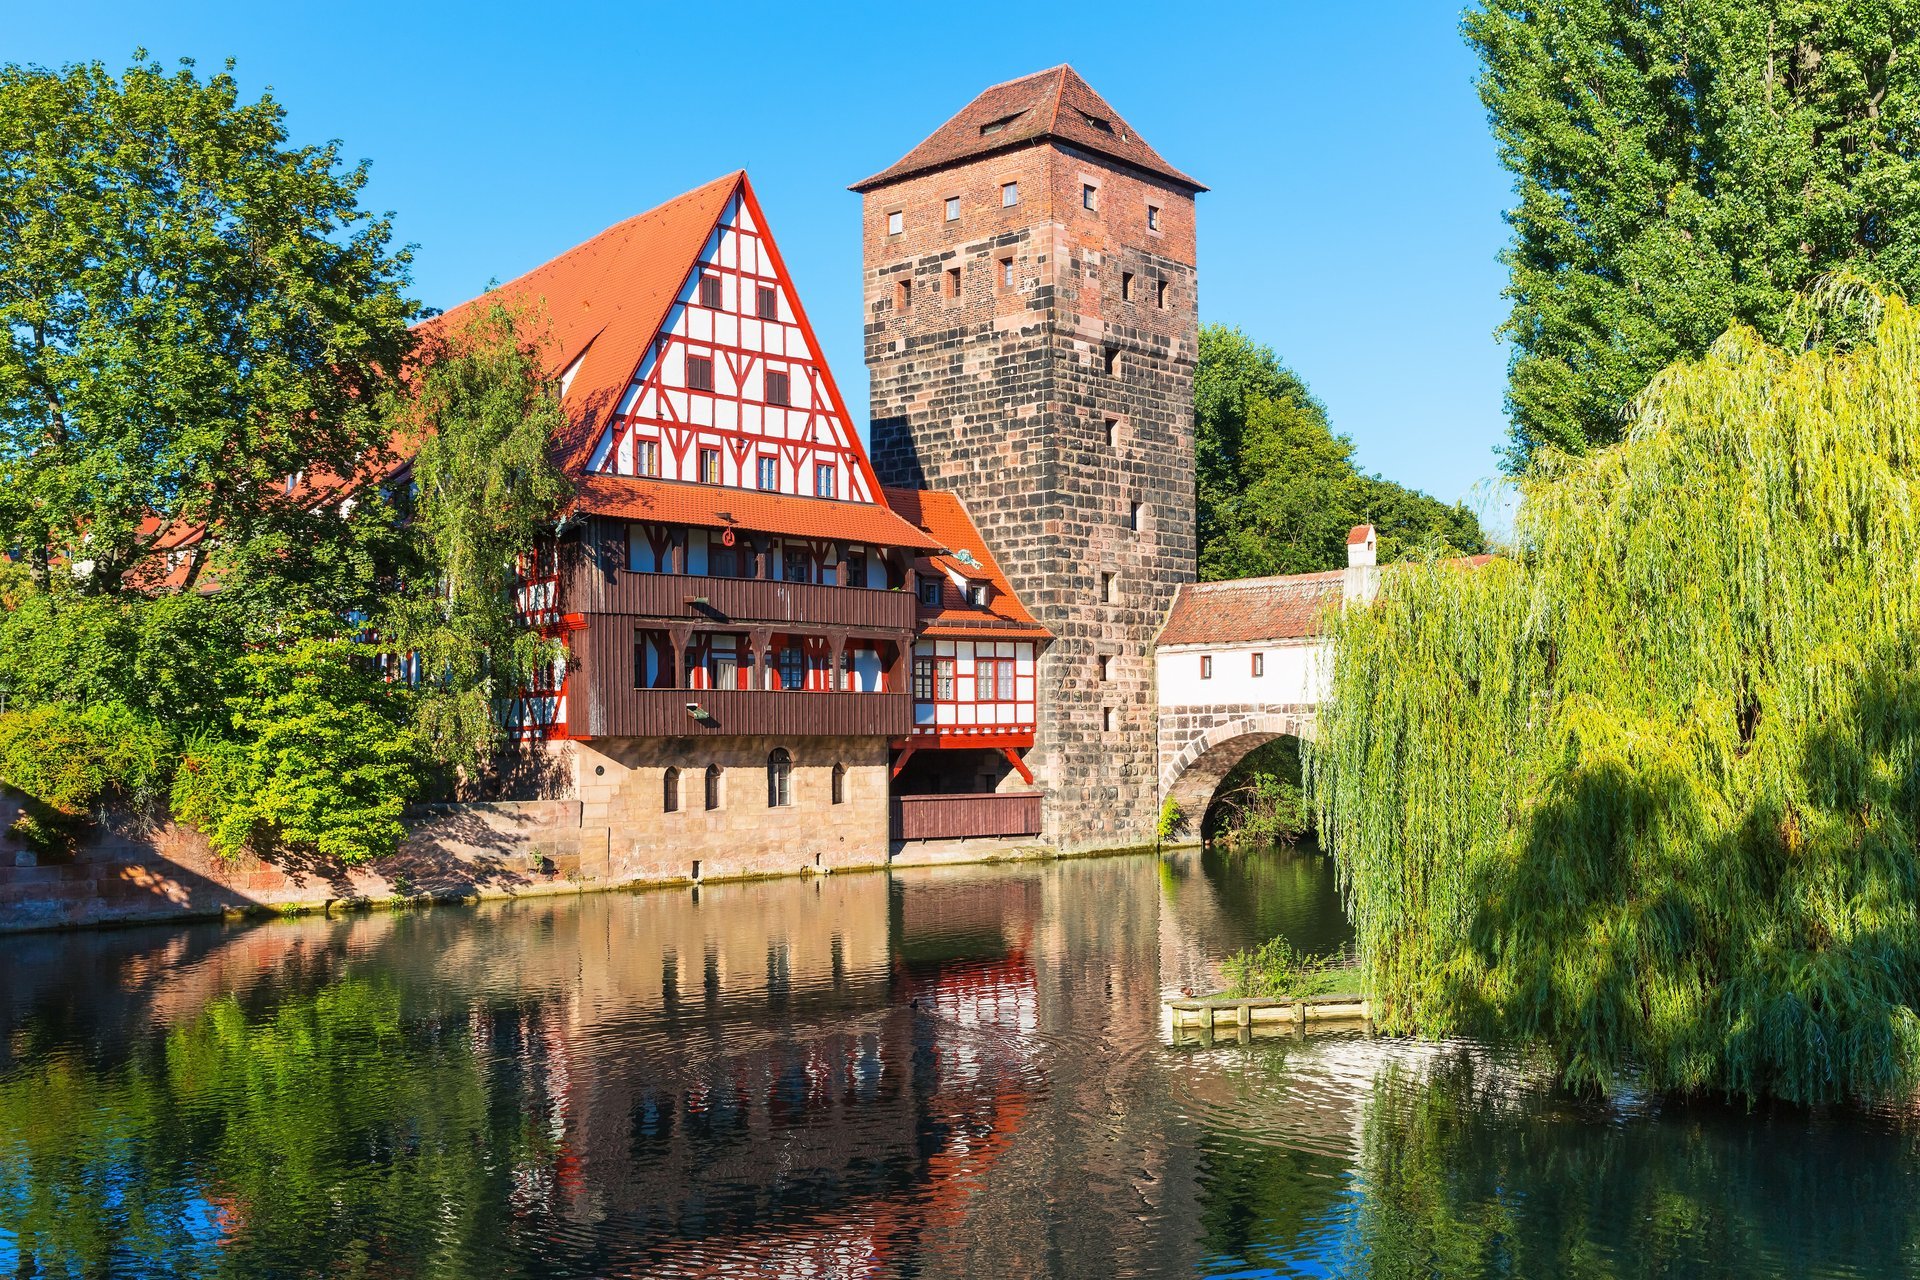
1106, 667
1006, 273
996, 126
896, 222
1107, 719
953, 282
1126, 286
953, 208
1113, 432
1137, 517
1009, 194
1110, 358
1206, 666
1160, 294
1101, 123
1089, 197
1153, 217
1109, 588
1259, 664
902, 295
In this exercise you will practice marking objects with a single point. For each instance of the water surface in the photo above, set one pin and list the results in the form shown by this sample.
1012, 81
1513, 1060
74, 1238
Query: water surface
960, 1073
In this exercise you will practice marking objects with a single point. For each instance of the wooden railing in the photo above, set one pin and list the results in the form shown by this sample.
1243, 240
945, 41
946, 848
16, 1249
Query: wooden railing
744, 600
966, 816
617, 712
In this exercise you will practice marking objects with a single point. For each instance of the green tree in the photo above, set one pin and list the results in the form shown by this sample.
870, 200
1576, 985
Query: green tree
1682, 166
485, 493
1278, 491
191, 312
1648, 796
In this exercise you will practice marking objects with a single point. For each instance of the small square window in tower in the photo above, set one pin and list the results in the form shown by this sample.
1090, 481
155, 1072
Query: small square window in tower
700, 373
769, 472
709, 466
824, 480
1006, 273
766, 302
1113, 433
1009, 194
1153, 217
710, 292
1109, 588
953, 283
779, 387
1126, 286
1106, 667
1089, 197
1137, 517
1110, 359
896, 222
1107, 719
1160, 294
902, 295
953, 208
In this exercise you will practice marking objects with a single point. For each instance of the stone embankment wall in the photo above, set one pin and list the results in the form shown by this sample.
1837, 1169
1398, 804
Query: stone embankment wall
127, 873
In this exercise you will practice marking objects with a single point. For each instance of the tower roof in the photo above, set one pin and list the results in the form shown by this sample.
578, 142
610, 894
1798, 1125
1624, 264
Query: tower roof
1053, 104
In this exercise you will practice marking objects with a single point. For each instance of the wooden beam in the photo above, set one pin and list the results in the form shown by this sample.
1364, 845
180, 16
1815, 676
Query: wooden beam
1018, 764
906, 754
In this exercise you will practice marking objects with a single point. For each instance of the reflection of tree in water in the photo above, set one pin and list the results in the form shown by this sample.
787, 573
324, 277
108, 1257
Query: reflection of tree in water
315, 1136
1463, 1175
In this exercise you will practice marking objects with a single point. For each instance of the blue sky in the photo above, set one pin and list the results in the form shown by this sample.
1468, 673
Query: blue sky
1352, 224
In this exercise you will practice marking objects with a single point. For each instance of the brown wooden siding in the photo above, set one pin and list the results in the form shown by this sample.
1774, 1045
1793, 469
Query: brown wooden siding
962, 817
598, 581
602, 702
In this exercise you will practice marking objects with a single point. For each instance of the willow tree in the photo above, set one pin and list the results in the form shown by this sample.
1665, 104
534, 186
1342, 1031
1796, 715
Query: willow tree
1647, 794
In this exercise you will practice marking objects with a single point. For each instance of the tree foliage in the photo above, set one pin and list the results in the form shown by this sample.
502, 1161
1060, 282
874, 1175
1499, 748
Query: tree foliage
1649, 795
191, 311
1278, 491
486, 492
1682, 166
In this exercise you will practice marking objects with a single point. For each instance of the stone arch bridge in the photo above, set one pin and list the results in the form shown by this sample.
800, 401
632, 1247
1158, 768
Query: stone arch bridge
1199, 747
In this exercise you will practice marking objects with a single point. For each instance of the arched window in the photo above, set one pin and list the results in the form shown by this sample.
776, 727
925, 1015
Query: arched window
779, 778
713, 786
839, 784
670, 791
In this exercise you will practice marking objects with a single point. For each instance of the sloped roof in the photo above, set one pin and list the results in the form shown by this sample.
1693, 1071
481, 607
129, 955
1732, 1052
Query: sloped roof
1055, 103
608, 297
750, 510
945, 520
1248, 609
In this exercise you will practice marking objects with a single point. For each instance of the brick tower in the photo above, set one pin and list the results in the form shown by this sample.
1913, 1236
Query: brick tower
1031, 330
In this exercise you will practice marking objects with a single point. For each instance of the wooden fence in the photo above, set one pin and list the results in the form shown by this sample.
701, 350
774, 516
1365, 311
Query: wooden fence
966, 816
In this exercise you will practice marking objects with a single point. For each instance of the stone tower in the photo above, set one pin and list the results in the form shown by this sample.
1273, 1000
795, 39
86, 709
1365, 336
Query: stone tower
1031, 331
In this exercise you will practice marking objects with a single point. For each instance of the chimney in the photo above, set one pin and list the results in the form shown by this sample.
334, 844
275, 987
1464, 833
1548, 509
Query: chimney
1363, 572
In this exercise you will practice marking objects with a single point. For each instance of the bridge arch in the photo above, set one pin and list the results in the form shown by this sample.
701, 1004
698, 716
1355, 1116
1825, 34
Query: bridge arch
1190, 775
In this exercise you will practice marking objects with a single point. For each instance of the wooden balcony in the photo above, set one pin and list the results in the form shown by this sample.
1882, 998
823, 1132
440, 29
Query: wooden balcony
966, 817
747, 601
662, 713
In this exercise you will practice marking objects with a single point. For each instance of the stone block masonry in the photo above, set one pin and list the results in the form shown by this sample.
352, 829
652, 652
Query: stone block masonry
1037, 360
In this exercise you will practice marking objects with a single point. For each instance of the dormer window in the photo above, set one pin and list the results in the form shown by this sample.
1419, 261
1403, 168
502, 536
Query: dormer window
930, 592
1101, 123
977, 594
992, 127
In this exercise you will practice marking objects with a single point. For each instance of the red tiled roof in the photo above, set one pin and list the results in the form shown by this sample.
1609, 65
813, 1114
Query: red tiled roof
1246, 609
1359, 534
679, 502
607, 298
1055, 103
945, 519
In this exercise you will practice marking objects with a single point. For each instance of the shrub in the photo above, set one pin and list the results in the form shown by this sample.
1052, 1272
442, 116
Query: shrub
1275, 970
69, 758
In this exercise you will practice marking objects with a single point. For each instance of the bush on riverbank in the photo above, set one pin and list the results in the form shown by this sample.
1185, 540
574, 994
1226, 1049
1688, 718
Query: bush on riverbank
1648, 794
1274, 970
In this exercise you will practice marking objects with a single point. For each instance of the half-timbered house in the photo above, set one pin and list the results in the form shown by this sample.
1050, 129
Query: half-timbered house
758, 636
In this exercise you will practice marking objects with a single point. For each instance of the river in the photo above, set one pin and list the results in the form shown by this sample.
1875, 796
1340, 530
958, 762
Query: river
929, 1074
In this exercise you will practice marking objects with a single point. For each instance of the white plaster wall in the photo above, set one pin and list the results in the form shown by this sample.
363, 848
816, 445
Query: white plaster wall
1295, 674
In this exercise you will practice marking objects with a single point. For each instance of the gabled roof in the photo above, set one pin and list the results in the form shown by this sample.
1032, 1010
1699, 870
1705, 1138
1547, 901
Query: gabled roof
1055, 103
1242, 610
749, 510
951, 529
608, 297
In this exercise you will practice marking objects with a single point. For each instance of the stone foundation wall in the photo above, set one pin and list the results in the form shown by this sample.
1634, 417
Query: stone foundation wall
626, 822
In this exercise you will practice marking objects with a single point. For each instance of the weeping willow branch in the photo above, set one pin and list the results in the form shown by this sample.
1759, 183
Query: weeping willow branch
1646, 793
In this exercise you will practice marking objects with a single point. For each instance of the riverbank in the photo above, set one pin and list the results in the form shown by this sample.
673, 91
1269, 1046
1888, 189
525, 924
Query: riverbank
130, 873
